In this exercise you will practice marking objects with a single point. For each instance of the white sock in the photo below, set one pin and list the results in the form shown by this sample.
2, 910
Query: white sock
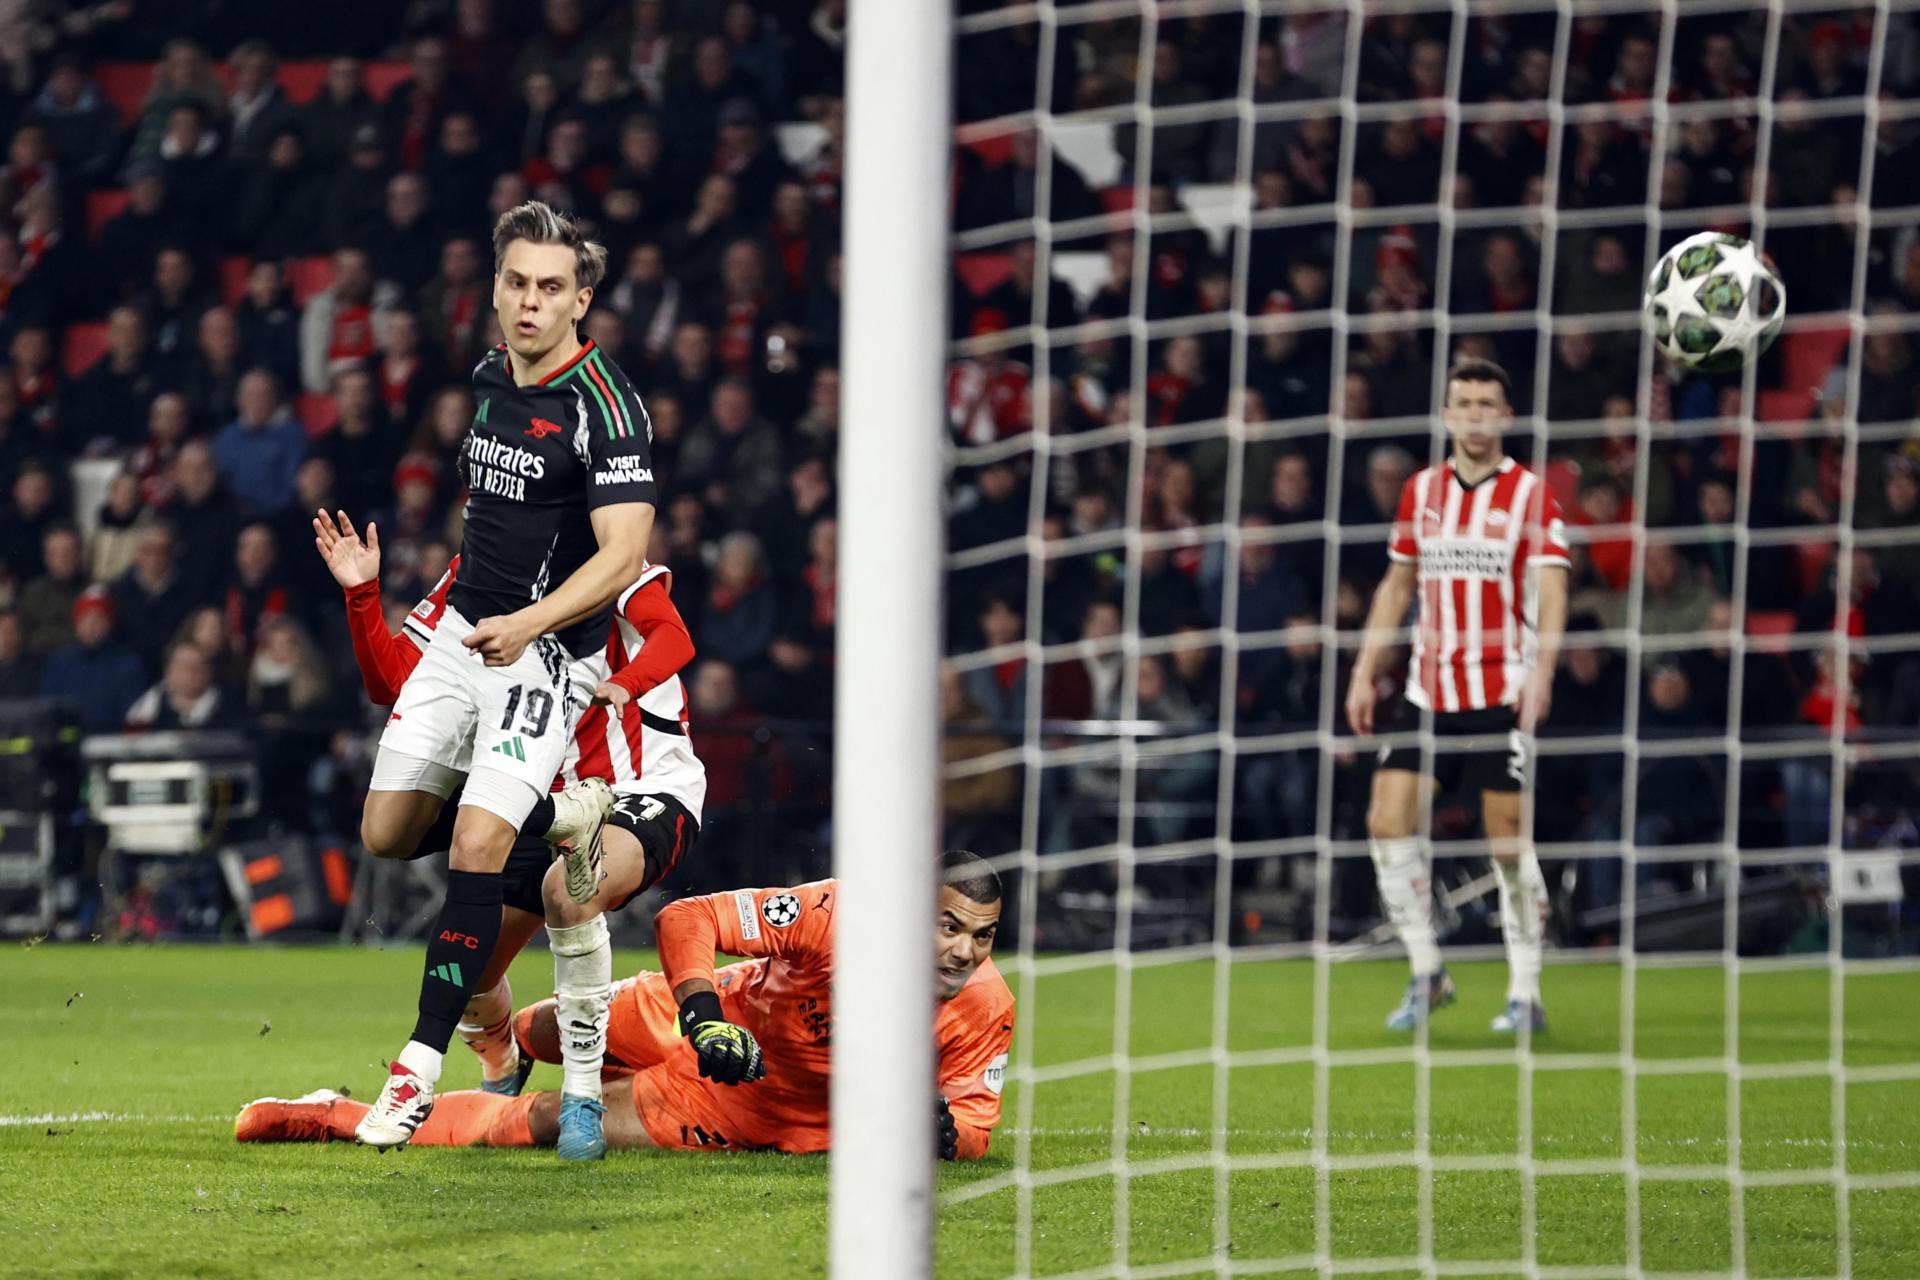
423, 1060
486, 1027
1407, 890
1523, 919
582, 985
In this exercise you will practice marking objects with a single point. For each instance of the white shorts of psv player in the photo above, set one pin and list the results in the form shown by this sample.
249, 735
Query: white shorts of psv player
506, 729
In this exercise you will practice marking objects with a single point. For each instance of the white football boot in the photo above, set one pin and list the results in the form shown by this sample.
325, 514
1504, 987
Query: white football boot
579, 816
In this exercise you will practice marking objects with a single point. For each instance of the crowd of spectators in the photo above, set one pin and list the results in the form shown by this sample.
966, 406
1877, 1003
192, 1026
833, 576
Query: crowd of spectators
286, 280
1691, 479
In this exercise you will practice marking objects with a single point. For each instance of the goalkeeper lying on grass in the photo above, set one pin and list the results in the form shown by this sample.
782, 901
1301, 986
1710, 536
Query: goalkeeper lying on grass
736, 1058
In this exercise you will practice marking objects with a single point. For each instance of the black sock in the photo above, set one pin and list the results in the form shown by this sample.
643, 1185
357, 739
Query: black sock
540, 819
458, 949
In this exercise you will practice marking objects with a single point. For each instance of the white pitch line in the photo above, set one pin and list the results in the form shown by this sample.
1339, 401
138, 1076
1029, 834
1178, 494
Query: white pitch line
89, 1117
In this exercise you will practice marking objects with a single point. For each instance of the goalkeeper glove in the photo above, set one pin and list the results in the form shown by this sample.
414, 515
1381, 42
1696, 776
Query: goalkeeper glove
728, 1054
946, 1134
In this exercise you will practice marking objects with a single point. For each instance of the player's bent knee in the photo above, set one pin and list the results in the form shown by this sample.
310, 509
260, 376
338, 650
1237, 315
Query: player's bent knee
1393, 811
537, 1030
562, 911
382, 837
482, 841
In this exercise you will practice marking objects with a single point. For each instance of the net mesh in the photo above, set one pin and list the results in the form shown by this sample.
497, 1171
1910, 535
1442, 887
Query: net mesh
1206, 248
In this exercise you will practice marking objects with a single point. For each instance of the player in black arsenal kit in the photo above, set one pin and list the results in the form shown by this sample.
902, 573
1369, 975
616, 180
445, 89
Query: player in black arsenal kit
560, 507
536, 460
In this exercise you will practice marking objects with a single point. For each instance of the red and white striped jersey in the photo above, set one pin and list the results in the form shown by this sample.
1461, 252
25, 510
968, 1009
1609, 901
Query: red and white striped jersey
647, 748
419, 625
1472, 547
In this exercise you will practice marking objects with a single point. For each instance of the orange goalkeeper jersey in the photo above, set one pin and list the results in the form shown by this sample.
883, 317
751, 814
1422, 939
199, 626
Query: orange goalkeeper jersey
783, 996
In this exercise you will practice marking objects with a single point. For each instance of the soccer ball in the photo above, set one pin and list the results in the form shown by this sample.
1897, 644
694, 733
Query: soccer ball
1713, 303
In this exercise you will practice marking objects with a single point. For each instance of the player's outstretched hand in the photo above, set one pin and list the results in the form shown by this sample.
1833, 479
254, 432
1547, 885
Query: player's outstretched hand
946, 1134
499, 640
1361, 696
728, 1054
352, 562
611, 695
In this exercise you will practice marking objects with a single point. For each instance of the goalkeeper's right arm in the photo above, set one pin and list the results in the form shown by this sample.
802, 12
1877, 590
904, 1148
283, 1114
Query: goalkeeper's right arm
794, 924
728, 1054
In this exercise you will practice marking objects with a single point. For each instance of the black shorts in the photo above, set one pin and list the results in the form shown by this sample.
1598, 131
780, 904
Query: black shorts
665, 830
526, 868
1499, 763
662, 825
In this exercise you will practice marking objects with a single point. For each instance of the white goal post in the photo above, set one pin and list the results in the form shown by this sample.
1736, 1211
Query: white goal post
886, 709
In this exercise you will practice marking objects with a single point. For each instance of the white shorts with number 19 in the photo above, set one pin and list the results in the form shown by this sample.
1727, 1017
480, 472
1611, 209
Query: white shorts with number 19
505, 728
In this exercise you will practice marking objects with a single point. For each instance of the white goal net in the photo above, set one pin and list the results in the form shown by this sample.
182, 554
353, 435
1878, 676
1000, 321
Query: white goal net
1212, 260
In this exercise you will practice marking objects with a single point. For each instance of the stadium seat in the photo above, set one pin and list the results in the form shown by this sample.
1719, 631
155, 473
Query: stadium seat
316, 411
1770, 629
1812, 559
233, 278
1788, 404
383, 77
1807, 357
85, 343
1117, 199
1217, 207
981, 272
309, 276
994, 147
1563, 478
125, 85
1085, 273
301, 81
1089, 148
799, 141
102, 208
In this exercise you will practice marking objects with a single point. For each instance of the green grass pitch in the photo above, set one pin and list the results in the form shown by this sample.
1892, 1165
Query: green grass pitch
121, 1068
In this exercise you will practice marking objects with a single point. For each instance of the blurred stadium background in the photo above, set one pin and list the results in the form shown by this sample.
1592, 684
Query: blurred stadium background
245, 274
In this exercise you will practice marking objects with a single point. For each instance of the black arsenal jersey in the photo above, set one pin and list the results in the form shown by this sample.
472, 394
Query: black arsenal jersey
538, 459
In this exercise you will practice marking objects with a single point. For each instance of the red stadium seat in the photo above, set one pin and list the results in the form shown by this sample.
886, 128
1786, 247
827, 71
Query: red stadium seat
102, 208
233, 278
301, 81
309, 276
1563, 478
317, 411
981, 272
1810, 355
994, 149
85, 343
1812, 559
125, 85
382, 77
1117, 199
1788, 404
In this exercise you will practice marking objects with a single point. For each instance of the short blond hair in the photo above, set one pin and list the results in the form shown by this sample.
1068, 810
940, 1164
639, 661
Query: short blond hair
538, 222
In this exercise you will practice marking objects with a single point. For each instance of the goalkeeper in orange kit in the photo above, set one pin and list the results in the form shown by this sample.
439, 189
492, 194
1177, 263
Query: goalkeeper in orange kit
735, 1058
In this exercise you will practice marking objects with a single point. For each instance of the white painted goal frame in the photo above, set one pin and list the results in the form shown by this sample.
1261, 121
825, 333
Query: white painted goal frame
886, 765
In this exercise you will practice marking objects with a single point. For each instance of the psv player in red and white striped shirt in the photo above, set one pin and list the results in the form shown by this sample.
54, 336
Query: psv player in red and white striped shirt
1479, 549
